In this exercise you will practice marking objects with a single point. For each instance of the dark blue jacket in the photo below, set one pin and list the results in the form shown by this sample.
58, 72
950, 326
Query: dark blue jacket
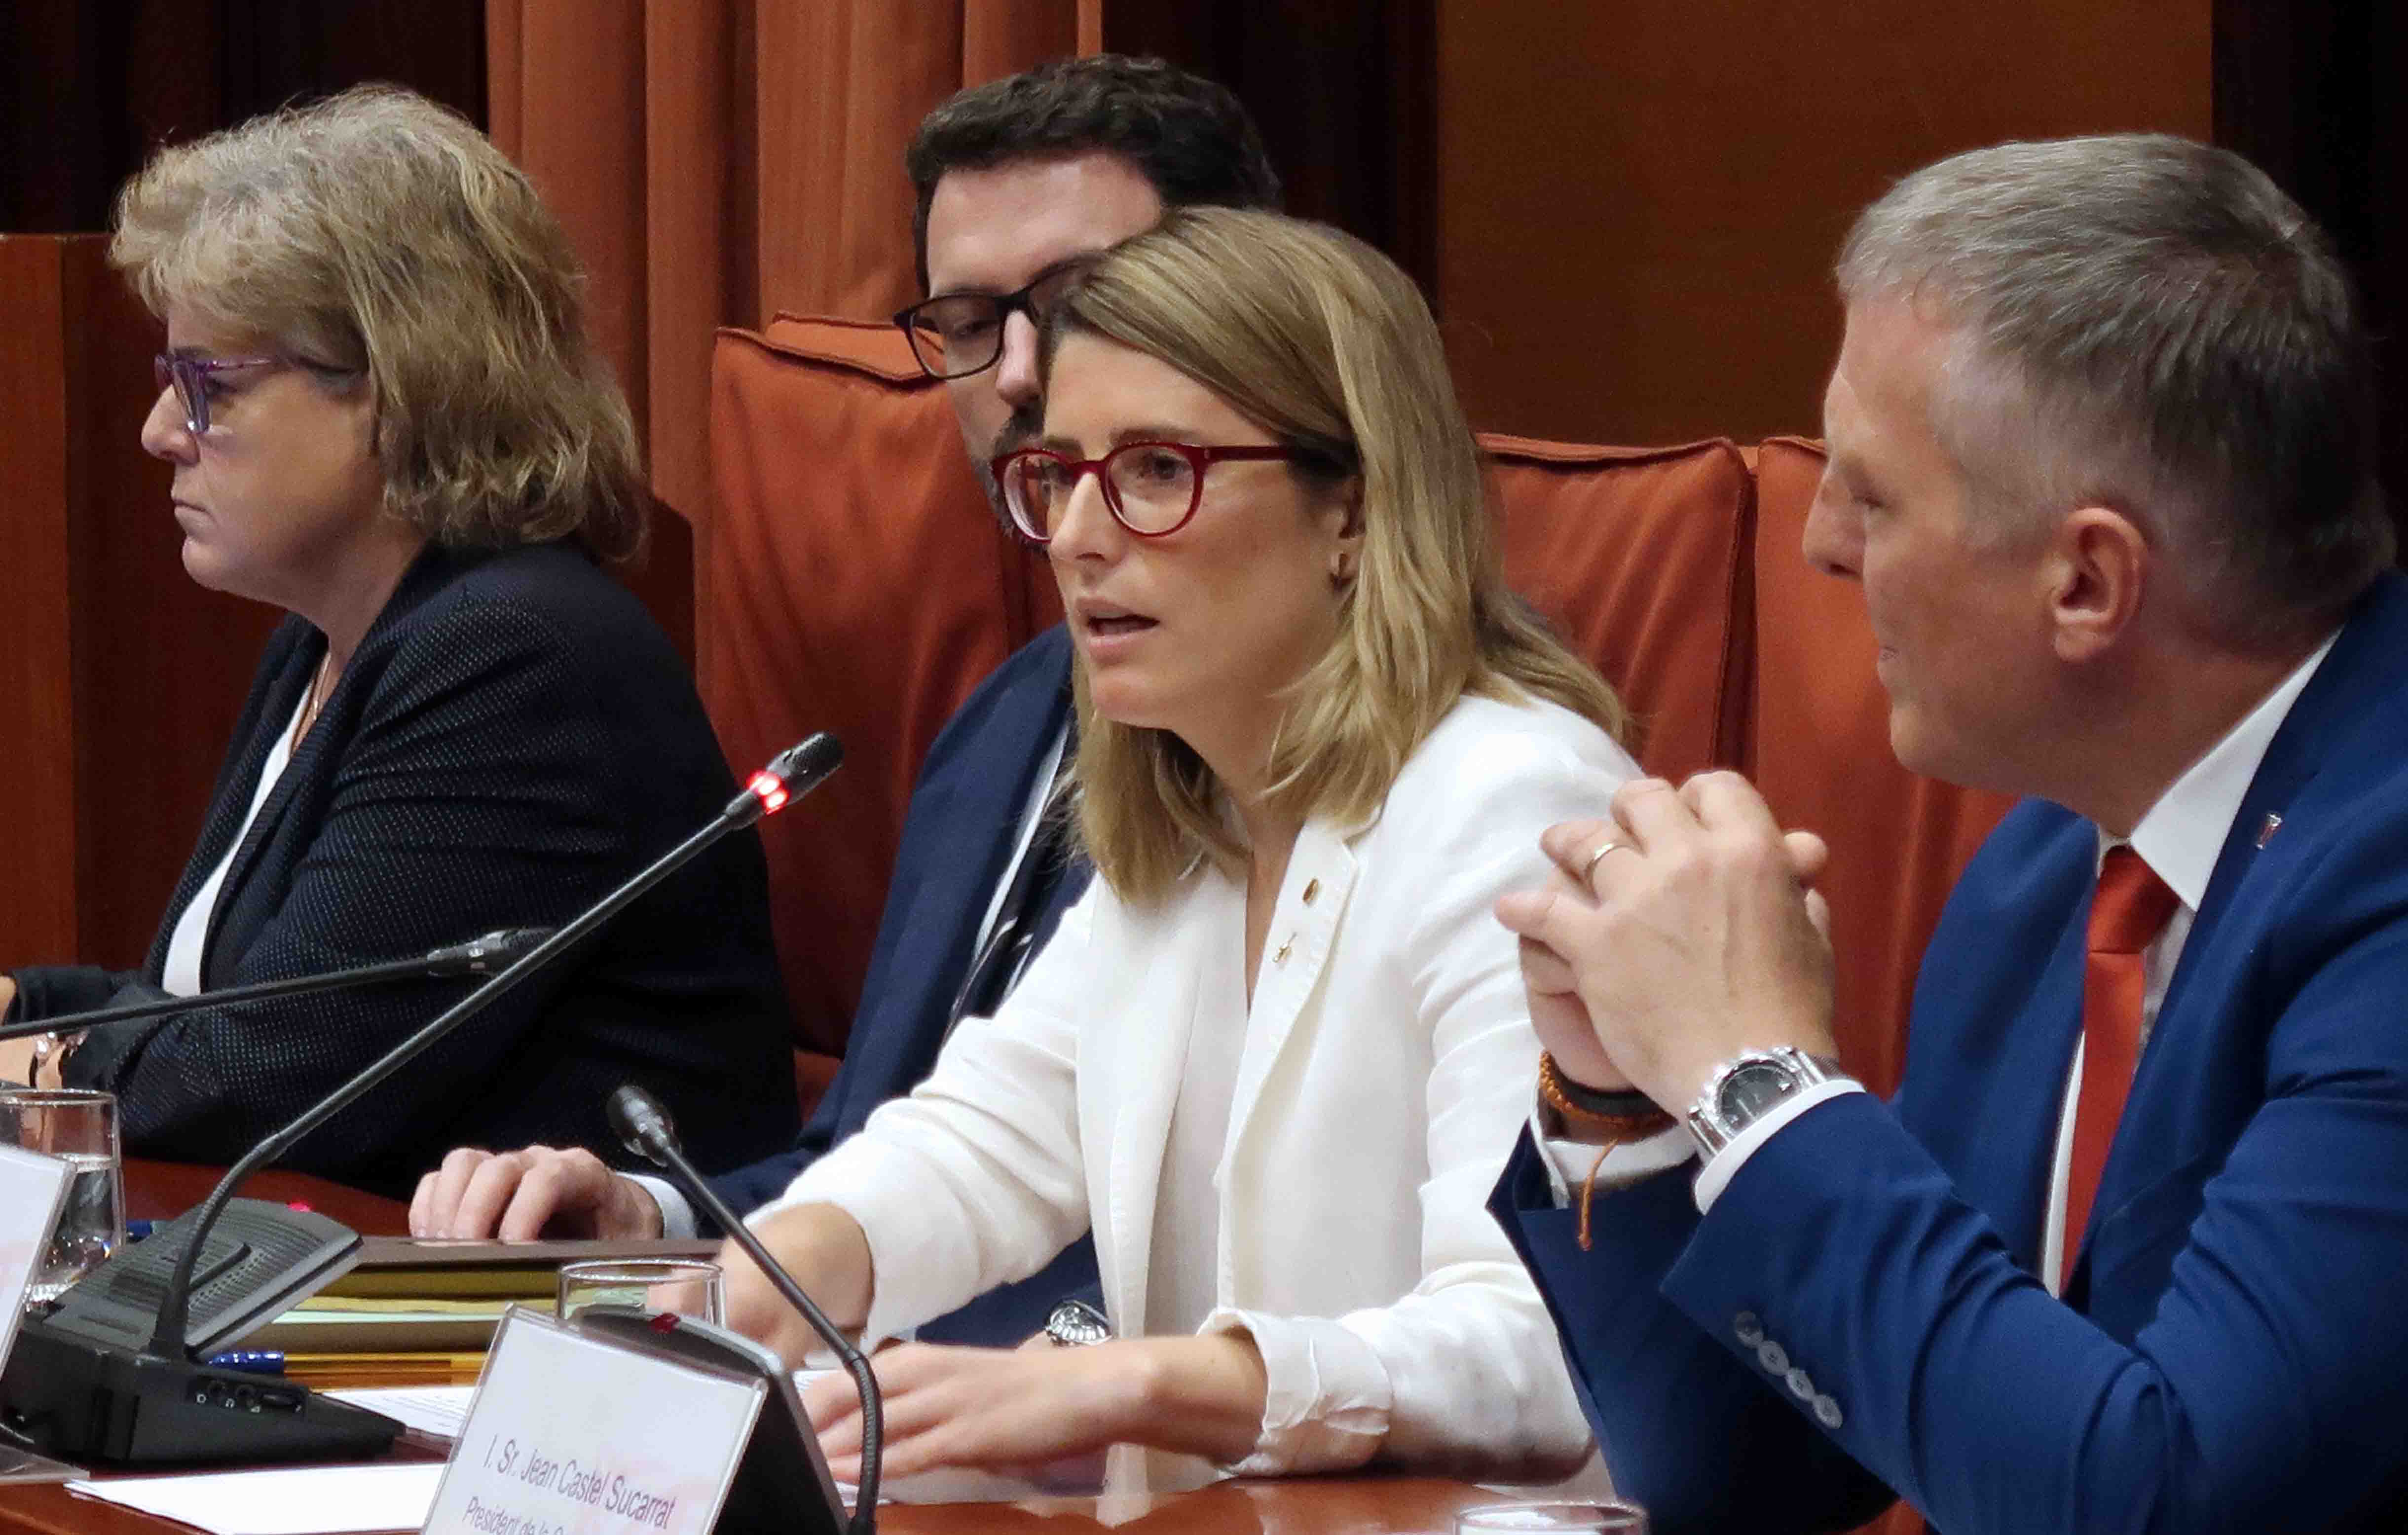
958, 839
512, 739
2233, 1353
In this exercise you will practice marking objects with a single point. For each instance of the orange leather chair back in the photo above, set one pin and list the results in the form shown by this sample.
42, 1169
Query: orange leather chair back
1638, 557
1820, 752
851, 580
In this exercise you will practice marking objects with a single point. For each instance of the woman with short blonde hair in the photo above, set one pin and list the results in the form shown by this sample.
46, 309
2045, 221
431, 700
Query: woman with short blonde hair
384, 238
1274, 1058
385, 415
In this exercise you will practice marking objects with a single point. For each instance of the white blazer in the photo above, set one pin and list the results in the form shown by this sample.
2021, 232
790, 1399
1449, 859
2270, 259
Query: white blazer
1388, 1065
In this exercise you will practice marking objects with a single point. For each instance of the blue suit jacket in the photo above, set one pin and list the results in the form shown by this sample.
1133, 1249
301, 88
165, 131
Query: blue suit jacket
958, 839
2231, 1354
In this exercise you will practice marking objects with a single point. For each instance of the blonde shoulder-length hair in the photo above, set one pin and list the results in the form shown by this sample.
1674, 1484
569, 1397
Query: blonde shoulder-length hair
380, 239
1329, 345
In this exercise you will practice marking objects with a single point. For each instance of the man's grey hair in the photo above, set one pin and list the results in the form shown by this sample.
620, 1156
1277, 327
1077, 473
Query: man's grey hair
2145, 323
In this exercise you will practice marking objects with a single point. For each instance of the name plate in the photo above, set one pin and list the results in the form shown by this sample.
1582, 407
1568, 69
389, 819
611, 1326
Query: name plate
571, 1435
31, 1189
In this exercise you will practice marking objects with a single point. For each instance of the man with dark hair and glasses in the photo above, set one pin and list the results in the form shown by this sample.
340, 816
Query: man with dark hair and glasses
1019, 182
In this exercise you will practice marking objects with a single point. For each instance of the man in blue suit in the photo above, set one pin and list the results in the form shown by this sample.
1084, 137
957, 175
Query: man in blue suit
1018, 181
2121, 1256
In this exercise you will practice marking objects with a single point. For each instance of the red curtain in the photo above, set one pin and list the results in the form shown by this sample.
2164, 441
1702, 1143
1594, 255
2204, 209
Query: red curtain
718, 161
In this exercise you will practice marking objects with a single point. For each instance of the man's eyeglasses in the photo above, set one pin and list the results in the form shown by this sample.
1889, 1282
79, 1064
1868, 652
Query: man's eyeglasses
956, 334
1150, 488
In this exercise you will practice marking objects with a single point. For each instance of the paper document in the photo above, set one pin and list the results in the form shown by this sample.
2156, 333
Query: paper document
313, 1500
430, 1411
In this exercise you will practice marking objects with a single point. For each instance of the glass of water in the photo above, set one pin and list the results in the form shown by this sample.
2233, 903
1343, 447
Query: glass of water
688, 1287
78, 1127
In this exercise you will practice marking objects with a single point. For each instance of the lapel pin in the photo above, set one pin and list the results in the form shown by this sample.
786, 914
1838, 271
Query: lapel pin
2266, 832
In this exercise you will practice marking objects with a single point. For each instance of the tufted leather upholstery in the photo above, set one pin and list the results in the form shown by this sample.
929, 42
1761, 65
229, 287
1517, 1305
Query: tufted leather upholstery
852, 579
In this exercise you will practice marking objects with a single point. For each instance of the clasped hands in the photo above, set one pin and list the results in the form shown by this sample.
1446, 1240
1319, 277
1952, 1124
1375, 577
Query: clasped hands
1683, 931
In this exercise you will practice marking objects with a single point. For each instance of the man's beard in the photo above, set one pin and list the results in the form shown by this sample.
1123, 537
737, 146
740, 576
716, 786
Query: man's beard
1021, 431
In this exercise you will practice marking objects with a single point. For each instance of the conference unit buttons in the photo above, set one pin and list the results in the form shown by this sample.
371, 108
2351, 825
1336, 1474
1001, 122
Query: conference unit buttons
246, 1397
1748, 1329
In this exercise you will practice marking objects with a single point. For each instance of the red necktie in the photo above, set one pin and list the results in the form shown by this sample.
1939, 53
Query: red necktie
2128, 911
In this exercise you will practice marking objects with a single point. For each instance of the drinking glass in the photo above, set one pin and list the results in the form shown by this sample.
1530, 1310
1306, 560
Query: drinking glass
688, 1287
78, 1127
1614, 1518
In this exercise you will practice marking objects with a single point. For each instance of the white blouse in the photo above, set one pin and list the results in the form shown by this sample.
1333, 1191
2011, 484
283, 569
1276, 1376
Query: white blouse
1335, 1209
181, 974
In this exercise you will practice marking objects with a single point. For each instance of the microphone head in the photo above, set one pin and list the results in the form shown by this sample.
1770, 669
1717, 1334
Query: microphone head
639, 1122
486, 954
796, 771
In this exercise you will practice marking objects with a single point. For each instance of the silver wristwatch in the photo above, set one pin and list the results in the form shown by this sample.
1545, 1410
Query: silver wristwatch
1074, 1323
1745, 1088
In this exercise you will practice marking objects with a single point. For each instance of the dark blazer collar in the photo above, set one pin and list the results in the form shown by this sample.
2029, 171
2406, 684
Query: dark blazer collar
434, 568
2360, 675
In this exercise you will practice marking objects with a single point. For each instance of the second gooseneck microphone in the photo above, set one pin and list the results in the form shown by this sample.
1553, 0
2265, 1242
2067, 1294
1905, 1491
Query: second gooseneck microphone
645, 1127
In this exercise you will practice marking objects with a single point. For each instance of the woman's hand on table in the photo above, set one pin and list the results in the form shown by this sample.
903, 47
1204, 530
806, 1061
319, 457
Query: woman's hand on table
999, 1408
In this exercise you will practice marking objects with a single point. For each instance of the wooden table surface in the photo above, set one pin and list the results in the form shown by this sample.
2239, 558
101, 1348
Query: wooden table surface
155, 1191
1296, 1506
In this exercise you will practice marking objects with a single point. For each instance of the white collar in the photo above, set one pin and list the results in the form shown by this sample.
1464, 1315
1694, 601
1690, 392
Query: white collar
2184, 832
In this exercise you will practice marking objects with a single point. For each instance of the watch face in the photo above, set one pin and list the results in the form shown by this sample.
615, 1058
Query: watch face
1077, 1324
1753, 1088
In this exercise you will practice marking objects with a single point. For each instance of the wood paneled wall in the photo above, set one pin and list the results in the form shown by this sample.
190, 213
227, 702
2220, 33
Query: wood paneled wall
1638, 206
118, 676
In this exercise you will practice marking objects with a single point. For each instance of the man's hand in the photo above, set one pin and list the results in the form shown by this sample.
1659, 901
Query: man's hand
536, 1192
1556, 1010
1696, 938
995, 1408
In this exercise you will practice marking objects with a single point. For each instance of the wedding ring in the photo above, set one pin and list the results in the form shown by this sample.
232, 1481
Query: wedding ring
1589, 869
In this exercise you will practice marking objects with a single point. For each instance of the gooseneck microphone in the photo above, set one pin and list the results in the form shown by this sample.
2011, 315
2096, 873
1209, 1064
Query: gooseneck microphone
645, 1128
484, 955
793, 774
77, 1386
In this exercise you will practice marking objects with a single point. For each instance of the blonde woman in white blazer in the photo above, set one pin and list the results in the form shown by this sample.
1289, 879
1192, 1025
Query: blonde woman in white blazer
1276, 1057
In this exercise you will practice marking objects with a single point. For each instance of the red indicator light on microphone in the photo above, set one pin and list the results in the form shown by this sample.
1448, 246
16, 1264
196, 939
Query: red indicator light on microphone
769, 791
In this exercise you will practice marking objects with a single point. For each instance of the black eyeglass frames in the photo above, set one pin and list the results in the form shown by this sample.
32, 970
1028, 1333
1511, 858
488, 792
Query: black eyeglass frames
955, 335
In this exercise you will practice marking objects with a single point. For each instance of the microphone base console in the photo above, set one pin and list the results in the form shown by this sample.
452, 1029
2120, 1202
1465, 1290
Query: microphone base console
78, 1399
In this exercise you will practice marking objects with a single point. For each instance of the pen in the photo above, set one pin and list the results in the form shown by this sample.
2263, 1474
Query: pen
250, 1361
136, 1229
